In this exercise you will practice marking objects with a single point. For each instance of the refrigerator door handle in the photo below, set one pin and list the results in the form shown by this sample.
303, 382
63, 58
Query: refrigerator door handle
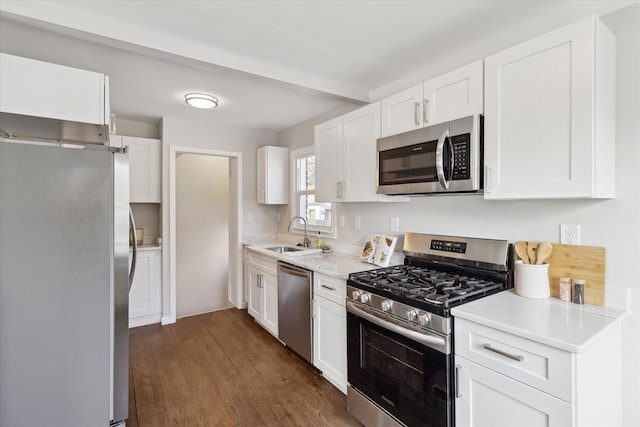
132, 225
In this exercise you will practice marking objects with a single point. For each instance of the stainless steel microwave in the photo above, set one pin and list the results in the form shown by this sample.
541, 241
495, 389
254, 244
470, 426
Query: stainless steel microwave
444, 158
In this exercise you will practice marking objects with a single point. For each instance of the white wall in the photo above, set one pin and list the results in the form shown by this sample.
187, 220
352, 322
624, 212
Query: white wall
183, 133
202, 238
613, 224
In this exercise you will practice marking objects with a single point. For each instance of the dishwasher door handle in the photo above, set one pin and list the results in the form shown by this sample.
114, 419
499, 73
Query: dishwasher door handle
298, 273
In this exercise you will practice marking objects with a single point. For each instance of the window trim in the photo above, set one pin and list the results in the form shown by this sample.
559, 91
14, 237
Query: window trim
297, 227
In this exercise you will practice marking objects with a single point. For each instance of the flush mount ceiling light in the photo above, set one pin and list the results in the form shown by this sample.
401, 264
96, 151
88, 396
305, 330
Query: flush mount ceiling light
201, 100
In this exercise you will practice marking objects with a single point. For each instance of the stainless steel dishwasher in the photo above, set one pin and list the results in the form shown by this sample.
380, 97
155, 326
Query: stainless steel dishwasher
294, 309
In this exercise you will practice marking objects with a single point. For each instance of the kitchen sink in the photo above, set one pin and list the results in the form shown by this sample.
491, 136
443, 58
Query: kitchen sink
284, 249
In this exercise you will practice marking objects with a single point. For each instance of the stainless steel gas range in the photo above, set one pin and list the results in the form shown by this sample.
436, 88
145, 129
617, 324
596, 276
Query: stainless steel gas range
400, 330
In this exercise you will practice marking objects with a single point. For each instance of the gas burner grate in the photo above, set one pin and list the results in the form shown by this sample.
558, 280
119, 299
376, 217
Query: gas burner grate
439, 288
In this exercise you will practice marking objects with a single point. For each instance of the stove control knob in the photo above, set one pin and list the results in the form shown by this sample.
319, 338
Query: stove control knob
385, 305
364, 298
355, 295
411, 315
424, 319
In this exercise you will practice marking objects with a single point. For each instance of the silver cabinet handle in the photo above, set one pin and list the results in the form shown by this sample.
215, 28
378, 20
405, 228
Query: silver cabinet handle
328, 287
341, 189
262, 195
259, 284
425, 108
457, 384
416, 113
515, 357
487, 187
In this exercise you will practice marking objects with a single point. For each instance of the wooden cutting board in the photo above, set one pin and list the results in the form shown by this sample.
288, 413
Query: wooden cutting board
578, 262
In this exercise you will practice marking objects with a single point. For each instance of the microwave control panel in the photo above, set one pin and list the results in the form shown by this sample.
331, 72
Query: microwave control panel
461, 156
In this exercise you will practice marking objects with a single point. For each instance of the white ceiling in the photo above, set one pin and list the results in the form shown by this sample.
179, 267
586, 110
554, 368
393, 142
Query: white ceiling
273, 64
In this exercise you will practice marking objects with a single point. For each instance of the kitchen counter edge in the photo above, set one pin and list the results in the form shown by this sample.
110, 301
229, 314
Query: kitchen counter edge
563, 325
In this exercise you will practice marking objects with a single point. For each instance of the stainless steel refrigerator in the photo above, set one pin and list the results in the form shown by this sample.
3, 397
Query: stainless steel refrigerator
64, 285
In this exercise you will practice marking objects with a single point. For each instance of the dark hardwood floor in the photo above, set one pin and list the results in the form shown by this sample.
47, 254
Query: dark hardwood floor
223, 369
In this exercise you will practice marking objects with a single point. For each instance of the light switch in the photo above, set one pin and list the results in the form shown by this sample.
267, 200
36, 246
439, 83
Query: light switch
250, 217
357, 223
395, 224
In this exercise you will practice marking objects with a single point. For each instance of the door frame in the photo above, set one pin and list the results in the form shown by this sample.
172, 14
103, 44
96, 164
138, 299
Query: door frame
234, 285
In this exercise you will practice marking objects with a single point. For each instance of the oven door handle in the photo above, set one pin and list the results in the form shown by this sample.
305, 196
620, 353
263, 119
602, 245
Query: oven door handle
433, 341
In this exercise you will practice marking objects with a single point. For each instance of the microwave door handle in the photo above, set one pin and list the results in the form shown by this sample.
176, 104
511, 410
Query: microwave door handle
440, 159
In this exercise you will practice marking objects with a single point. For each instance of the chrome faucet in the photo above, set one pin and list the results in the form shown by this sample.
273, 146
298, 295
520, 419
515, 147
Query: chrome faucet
306, 240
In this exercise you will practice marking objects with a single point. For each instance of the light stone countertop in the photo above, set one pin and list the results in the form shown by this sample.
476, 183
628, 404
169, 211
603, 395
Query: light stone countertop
149, 247
563, 325
334, 264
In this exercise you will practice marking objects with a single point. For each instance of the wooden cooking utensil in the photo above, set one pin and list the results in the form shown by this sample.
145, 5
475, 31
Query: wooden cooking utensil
521, 250
532, 248
543, 252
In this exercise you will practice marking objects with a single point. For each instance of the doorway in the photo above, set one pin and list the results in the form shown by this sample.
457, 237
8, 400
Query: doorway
202, 234
234, 244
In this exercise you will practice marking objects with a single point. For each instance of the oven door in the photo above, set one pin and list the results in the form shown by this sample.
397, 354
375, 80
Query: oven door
409, 380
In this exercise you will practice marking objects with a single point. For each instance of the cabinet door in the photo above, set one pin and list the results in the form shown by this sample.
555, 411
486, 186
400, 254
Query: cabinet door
270, 303
454, 95
145, 158
145, 297
255, 293
329, 160
539, 116
330, 341
488, 398
360, 132
41, 89
273, 175
403, 111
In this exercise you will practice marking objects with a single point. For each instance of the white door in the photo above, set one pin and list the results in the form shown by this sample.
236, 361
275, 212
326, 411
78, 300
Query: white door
202, 241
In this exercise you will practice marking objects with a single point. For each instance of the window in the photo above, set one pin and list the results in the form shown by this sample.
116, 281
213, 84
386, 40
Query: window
319, 215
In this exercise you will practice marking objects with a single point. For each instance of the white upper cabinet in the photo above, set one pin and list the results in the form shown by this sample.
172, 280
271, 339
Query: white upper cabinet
40, 89
550, 116
145, 167
272, 175
328, 153
345, 150
403, 111
450, 96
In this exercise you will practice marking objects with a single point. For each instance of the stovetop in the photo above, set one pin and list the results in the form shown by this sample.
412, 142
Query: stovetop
431, 290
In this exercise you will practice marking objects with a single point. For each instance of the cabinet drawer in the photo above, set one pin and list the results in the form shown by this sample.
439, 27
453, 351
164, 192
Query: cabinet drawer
330, 288
540, 366
268, 265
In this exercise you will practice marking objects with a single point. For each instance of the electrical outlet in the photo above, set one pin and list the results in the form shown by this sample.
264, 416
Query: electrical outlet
569, 234
358, 223
249, 216
341, 220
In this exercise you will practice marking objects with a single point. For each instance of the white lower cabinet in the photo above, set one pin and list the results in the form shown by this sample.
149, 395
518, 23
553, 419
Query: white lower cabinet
503, 379
330, 329
145, 296
262, 295
488, 398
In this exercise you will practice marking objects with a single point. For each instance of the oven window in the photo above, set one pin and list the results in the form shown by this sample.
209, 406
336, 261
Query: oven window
407, 379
